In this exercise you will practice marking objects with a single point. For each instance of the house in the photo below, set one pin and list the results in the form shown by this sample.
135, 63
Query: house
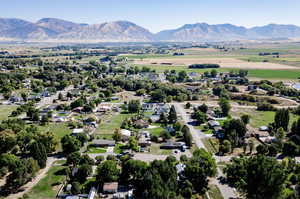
154, 118
59, 119
110, 187
251, 87
15, 99
103, 143
104, 108
141, 124
173, 145
114, 98
213, 123
75, 132
218, 132
264, 128
125, 134
170, 129
144, 142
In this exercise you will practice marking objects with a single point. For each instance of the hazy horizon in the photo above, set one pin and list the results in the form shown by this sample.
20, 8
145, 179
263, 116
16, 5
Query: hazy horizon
155, 15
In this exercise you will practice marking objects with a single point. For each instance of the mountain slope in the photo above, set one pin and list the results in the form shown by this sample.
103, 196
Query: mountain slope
51, 29
112, 31
59, 25
203, 32
21, 29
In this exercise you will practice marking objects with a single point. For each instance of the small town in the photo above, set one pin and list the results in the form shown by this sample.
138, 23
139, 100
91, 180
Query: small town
112, 110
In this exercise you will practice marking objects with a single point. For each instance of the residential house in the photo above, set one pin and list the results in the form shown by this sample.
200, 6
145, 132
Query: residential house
103, 143
110, 187
141, 124
213, 123
125, 134
173, 145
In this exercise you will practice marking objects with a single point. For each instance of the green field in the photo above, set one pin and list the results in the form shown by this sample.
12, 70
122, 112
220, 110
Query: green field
112, 123
275, 74
5, 111
254, 73
48, 187
59, 129
261, 118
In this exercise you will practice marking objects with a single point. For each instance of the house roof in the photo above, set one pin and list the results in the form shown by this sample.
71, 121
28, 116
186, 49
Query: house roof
110, 186
125, 132
213, 123
103, 142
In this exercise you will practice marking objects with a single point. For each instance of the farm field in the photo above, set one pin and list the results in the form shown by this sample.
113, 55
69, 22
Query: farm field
252, 73
223, 62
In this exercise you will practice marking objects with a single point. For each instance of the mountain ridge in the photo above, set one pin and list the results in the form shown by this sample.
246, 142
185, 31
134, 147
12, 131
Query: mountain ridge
54, 29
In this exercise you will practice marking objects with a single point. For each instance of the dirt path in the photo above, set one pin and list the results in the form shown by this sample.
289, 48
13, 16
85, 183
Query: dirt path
41, 174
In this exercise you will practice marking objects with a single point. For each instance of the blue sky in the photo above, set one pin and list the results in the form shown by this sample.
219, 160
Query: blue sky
156, 15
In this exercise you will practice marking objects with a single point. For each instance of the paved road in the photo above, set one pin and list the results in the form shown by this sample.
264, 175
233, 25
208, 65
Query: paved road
226, 191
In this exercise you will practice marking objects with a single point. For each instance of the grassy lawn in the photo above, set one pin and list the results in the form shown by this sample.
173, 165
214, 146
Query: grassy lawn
48, 187
214, 192
59, 129
96, 150
263, 118
155, 131
5, 111
112, 123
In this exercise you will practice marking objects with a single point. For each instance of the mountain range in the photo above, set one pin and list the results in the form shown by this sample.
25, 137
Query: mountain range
51, 30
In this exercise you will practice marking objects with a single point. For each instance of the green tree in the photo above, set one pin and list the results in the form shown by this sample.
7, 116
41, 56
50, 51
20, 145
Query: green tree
133, 143
134, 106
70, 144
282, 119
257, 176
108, 171
117, 136
38, 152
225, 106
76, 188
245, 119
172, 117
